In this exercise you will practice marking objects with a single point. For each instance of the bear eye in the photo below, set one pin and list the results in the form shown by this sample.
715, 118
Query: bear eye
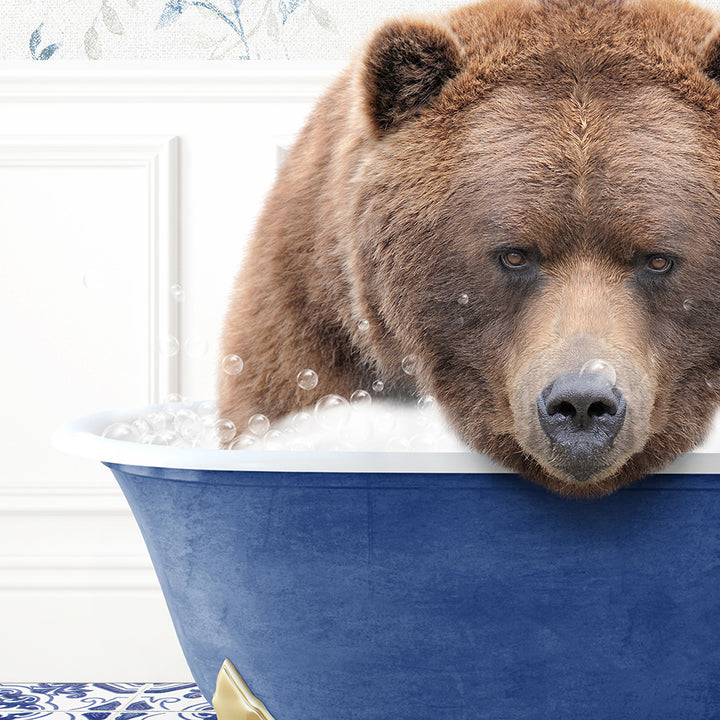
513, 259
659, 264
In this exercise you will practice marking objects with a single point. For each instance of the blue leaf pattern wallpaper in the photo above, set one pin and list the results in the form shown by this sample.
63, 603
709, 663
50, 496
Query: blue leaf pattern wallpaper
229, 30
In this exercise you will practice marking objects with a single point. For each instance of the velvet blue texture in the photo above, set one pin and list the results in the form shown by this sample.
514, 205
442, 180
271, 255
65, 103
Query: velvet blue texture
417, 597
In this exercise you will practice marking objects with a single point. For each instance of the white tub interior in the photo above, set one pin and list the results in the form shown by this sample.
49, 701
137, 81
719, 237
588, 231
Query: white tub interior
83, 437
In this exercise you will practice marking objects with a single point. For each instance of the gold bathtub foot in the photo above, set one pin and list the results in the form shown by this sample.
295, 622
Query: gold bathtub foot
233, 700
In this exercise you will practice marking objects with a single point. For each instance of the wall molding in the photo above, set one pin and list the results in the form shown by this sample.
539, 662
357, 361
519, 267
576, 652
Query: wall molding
38, 500
77, 573
255, 81
35, 506
158, 157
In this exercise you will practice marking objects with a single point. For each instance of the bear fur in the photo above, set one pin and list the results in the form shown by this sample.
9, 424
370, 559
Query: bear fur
557, 162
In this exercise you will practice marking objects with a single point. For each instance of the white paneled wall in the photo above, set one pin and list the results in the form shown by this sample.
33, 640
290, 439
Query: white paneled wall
115, 184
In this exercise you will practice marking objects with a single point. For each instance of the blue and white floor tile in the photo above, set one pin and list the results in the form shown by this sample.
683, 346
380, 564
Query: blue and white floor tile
103, 701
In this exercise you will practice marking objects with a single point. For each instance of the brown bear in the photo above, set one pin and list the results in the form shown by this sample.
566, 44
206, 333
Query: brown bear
505, 194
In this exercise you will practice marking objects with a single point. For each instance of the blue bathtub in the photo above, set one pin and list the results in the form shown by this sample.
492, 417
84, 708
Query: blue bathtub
425, 586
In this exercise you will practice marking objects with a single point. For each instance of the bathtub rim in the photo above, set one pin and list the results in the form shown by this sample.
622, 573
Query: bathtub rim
82, 437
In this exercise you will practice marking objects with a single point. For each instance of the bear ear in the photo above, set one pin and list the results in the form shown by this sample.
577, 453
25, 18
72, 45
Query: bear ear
406, 65
710, 55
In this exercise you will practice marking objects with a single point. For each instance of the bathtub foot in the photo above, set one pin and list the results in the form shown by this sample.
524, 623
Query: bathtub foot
233, 700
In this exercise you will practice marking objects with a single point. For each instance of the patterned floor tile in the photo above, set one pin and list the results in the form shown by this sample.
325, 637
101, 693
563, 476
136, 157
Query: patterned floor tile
173, 698
103, 701
78, 697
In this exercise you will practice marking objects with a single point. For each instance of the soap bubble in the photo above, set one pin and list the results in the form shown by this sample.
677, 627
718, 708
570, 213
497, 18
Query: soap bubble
206, 407
301, 420
157, 421
120, 431
141, 428
174, 398
360, 398
307, 379
95, 279
688, 305
332, 411
169, 346
601, 367
188, 425
463, 299
177, 293
258, 424
427, 404
88, 279
409, 364
273, 440
195, 347
232, 364
364, 325
378, 386
225, 430
165, 438
244, 442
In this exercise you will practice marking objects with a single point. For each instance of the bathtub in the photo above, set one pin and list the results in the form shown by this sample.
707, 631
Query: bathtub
359, 586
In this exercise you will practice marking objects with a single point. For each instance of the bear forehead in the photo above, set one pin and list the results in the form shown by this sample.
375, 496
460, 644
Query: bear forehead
634, 167
501, 35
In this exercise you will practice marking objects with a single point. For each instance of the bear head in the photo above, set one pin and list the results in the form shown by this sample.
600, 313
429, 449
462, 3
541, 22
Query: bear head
534, 214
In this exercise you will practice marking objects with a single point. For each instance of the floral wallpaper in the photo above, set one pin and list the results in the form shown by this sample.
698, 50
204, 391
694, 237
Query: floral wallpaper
92, 30
43, 30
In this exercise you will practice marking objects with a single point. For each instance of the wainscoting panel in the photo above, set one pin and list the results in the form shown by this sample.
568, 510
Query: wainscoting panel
126, 198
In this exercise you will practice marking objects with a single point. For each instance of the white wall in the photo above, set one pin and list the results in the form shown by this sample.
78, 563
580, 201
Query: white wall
115, 184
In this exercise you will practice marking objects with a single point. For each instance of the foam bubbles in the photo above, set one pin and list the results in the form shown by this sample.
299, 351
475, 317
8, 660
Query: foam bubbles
688, 305
307, 379
601, 367
337, 425
334, 423
378, 386
177, 293
363, 326
463, 299
232, 364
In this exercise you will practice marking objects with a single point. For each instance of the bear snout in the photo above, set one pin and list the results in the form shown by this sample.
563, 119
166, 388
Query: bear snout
581, 414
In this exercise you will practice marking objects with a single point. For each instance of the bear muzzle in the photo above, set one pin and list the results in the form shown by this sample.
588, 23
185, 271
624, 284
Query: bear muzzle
581, 414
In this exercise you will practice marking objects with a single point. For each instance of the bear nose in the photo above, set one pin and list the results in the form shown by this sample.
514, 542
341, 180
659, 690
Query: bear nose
581, 414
